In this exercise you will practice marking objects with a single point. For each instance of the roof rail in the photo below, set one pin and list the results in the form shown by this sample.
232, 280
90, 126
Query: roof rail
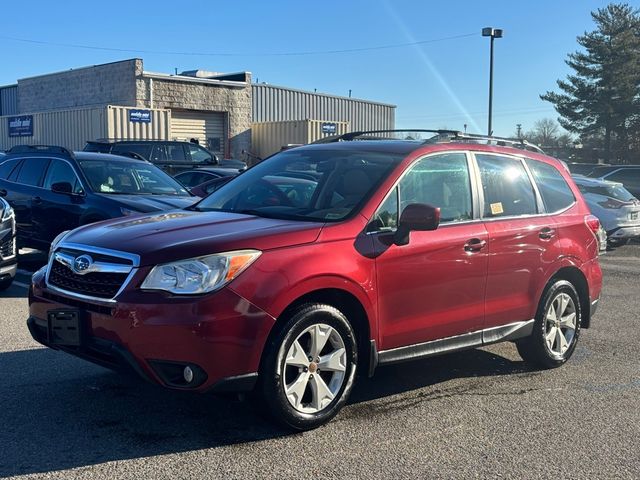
41, 149
347, 137
502, 141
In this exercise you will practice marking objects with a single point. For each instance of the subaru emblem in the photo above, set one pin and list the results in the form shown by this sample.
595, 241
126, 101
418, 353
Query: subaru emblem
82, 263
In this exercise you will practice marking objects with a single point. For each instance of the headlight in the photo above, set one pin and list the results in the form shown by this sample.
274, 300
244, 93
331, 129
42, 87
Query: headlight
56, 241
201, 274
7, 211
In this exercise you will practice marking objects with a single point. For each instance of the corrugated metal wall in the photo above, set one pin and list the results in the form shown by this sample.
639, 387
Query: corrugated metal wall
120, 128
273, 104
73, 128
9, 100
268, 138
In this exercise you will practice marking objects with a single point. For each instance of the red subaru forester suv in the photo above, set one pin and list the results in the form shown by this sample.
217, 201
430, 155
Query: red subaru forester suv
386, 251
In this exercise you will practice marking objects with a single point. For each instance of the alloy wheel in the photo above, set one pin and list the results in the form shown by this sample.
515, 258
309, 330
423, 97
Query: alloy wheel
560, 321
314, 368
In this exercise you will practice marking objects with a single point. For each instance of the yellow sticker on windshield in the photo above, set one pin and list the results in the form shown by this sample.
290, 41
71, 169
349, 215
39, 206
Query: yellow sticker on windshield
496, 208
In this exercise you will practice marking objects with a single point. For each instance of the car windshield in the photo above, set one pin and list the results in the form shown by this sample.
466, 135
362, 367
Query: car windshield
304, 184
617, 192
130, 178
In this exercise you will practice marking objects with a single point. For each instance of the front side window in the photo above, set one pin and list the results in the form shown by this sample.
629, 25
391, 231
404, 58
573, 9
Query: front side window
556, 193
133, 178
59, 172
440, 180
199, 154
319, 184
31, 171
506, 187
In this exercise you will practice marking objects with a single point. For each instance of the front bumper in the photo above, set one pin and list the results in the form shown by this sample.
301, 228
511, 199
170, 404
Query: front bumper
220, 335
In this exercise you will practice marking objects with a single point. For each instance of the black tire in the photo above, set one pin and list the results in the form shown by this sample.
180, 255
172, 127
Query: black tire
617, 242
534, 349
5, 283
272, 377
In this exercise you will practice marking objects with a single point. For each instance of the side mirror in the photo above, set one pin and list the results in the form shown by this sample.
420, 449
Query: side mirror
418, 217
62, 187
214, 160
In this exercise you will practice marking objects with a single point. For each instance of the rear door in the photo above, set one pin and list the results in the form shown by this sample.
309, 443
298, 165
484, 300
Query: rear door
523, 240
24, 194
433, 287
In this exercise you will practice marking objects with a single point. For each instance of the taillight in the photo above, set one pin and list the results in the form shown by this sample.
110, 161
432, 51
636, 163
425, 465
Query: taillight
593, 223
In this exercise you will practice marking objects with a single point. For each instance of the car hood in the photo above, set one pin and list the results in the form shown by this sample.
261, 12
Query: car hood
175, 235
150, 203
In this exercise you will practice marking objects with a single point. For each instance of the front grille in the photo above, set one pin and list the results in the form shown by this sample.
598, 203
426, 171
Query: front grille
95, 284
7, 249
97, 257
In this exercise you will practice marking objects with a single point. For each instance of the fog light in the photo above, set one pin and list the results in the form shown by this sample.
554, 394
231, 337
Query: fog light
187, 374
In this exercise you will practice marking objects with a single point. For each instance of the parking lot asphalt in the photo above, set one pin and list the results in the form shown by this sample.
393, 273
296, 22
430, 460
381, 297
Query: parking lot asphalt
476, 414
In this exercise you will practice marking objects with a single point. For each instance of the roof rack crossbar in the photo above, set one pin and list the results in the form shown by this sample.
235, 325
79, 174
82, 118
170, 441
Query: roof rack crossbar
55, 149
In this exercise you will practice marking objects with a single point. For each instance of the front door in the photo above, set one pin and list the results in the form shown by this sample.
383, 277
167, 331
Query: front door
434, 286
57, 212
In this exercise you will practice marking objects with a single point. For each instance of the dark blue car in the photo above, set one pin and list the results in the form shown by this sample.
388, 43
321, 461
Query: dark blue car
52, 190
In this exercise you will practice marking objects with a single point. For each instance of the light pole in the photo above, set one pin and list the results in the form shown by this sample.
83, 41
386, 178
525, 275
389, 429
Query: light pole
493, 33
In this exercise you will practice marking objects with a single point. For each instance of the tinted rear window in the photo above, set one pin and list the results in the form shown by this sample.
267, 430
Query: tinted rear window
556, 193
141, 149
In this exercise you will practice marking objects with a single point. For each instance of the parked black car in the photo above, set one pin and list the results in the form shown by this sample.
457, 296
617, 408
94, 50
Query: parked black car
170, 155
193, 178
8, 257
52, 190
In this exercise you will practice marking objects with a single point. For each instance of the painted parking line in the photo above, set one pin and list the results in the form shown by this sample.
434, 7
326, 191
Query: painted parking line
20, 284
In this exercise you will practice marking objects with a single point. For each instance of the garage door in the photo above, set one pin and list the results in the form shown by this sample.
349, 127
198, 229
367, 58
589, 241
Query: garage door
208, 128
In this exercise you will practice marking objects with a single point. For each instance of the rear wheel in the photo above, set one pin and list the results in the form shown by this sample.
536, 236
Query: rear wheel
5, 283
309, 367
617, 242
556, 328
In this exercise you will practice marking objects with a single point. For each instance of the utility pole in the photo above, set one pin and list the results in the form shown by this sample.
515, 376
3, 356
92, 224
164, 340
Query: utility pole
493, 33
519, 130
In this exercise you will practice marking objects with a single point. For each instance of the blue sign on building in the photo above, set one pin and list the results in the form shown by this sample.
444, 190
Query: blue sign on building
329, 128
140, 116
21, 126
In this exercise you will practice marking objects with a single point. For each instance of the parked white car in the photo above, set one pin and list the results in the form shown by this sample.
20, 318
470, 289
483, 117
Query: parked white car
616, 208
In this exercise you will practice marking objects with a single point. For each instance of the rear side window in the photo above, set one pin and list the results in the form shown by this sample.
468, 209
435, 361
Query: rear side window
141, 149
158, 154
506, 187
7, 167
32, 171
556, 193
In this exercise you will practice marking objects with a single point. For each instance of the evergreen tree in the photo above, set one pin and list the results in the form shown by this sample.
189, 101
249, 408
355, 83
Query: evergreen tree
601, 100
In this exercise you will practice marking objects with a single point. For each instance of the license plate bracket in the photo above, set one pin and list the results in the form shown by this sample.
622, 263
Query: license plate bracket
64, 327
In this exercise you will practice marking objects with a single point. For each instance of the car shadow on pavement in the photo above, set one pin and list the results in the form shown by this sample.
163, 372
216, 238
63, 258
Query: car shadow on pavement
60, 412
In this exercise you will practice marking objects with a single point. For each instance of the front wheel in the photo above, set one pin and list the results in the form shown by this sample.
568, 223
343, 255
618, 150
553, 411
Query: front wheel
309, 367
556, 328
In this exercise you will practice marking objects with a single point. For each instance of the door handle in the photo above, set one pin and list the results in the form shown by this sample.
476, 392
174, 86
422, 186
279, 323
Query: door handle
37, 200
546, 233
474, 245
3, 192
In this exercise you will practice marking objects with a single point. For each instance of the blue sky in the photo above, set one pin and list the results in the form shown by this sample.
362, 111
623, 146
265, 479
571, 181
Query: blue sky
438, 84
